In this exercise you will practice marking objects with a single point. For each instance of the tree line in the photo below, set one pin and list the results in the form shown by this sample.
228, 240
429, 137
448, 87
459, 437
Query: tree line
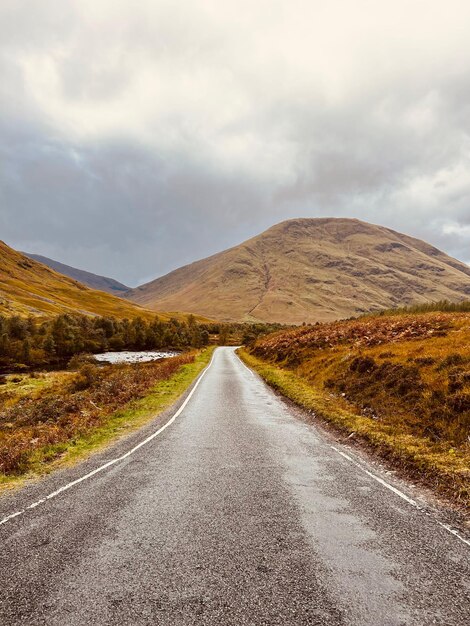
36, 342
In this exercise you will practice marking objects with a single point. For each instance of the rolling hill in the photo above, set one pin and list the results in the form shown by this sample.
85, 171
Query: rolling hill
95, 281
28, 287
310, 270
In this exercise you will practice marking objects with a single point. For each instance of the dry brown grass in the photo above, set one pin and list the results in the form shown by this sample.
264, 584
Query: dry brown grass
70, 405
298, 344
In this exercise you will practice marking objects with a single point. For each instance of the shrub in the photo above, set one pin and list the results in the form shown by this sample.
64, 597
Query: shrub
460, 402
451, 360
78, 360
425, 360
87, 376
362, 365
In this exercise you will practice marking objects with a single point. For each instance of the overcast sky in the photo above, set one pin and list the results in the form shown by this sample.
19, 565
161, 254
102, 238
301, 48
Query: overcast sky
139, 136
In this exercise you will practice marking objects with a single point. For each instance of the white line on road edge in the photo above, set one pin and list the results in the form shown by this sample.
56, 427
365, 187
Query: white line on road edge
384, 483
378, 479
113, 461
400, 494
453, 532
245, 366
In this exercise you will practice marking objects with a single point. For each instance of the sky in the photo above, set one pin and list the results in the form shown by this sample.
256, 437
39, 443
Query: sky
136, 137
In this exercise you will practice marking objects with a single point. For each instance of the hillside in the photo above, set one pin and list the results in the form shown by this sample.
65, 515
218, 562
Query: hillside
95, 281
31, 288
310, 270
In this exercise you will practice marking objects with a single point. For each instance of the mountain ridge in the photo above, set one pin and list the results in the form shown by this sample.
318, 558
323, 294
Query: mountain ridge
28, 287
94, 281
310, 269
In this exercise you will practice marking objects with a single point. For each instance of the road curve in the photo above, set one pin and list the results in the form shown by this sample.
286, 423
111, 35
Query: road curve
237, 513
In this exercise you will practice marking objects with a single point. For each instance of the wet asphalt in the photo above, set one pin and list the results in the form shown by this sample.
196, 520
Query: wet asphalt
238, 513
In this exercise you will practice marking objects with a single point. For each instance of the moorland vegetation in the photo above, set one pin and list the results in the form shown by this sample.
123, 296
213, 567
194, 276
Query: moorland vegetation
398, 381
43, 414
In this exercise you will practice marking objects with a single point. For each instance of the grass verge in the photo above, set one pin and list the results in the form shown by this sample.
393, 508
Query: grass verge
444, 469
120, 422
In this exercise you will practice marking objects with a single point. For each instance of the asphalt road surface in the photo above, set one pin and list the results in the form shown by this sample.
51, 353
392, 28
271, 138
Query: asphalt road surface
237, 513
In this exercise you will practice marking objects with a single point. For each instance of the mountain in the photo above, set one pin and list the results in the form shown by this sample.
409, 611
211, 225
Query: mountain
310, 270
95, 281
28, 287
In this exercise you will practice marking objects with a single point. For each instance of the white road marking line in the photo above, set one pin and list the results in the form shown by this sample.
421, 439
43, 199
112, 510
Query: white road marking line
378, 479
401, 495
113, 461
453, 532
245, 366
396, 491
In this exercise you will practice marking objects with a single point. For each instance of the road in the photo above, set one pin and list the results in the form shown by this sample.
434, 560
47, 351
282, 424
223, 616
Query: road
237, 513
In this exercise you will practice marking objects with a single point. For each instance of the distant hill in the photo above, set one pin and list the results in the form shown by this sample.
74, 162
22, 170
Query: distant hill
95, 281
310, 270
28, 287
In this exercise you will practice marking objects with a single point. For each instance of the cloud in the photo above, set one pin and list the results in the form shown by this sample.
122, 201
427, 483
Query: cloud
136, 138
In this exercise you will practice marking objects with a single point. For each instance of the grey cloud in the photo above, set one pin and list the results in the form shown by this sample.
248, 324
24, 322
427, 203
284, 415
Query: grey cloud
133, 141
118, 207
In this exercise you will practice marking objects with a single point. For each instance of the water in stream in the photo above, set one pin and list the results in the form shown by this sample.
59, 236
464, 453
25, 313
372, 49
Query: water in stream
126, 356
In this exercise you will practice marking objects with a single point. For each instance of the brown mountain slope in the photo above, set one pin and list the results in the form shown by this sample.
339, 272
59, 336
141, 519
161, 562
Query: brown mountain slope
95, 281
30, 288
309, 270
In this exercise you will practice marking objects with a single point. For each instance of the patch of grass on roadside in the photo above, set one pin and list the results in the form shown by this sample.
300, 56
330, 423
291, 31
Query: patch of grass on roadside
16, 386
118, 423
435, 463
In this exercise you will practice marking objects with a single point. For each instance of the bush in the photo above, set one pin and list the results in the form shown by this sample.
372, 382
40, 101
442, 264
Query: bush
78, 360
451, 360
460, 402
87, 376
424, 361
361, 365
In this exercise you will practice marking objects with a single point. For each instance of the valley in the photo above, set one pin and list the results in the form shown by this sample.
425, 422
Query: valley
234, 313
141, 418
